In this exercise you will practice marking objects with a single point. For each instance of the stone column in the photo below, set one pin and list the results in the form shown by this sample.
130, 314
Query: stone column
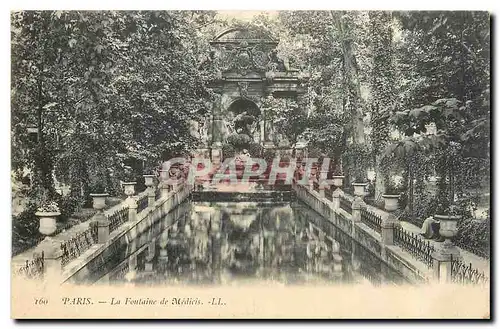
447, 252
163, 185
336, 198
356, 209
163, 254
356, 213
52, 255
148, 181
321, 189
102, 227
442, 263
131, 201
323, 182
99, 203
388, 226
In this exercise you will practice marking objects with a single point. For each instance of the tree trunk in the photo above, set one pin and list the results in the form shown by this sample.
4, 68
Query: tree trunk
379, 180
43, 161
352, 95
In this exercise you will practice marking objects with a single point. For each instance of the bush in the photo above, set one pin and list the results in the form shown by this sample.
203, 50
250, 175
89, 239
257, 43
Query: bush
239, 141
25, 230
228, 151
474, 236
255, 150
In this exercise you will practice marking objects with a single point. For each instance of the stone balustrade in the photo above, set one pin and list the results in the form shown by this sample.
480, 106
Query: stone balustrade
60, 260
380, 232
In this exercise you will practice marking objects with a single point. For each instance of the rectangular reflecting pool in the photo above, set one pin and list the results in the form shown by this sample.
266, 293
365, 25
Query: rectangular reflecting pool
226, 242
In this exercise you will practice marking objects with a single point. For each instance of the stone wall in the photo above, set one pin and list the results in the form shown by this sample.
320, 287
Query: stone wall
127, 239
394, 257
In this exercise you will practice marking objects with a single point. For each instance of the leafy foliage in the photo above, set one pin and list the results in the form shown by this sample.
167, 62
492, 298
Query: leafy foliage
105, 86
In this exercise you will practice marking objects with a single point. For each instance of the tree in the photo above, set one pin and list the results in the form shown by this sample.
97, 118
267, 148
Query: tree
111, 85
382, 89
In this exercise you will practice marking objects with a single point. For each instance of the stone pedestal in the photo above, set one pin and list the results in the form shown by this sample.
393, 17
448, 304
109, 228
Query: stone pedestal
321, 190
102, 221
356, 209
442, 261
148, 181
52, 255
163, 185
151, 197
387, 226
129, 188
102, 227
336, 198
132, 209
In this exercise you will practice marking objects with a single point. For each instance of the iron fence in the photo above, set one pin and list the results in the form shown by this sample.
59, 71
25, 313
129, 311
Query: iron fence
117, 218
345, 204
466, 274
33, 268
371, 219
414, 244
78, 244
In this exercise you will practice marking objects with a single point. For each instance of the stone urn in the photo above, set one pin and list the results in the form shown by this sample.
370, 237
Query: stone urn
359, 189
48, 221
448, 227
338, 181
99, 200
129, 188
149, 180
391, 201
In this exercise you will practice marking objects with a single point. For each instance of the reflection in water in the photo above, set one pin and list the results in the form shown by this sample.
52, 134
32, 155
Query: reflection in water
226, 241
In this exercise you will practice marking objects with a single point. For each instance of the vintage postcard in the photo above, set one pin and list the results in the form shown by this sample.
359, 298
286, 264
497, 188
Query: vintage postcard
250, 164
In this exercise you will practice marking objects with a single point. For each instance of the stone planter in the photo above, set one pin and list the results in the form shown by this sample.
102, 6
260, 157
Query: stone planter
338, 181
129, 188
148, 180
48, 221
99, 200
359, 189
391, 202
448, 226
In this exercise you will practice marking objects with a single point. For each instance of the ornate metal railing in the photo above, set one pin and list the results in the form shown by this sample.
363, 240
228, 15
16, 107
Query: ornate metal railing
78, 244
142, 202
414, 244
117, 218
33, 268
345, 204
371, 219
466, 274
